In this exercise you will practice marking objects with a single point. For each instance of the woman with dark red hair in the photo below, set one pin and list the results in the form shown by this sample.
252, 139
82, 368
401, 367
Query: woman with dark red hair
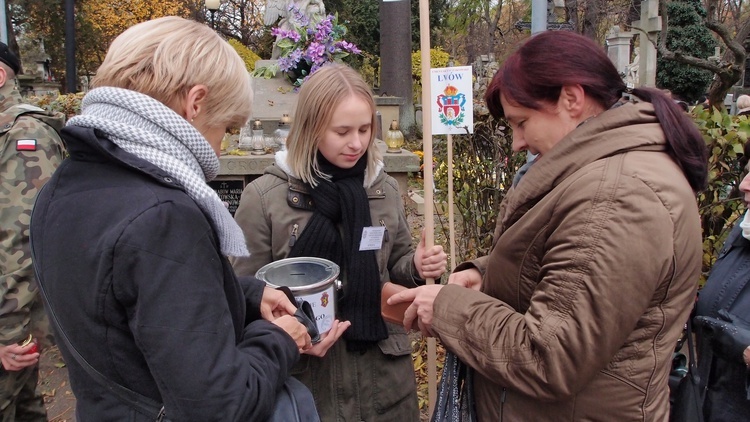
575, 313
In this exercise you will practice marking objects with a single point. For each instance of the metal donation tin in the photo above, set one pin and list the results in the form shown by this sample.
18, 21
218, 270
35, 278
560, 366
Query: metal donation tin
314, 280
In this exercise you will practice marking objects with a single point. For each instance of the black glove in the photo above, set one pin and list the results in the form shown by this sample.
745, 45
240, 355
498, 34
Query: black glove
727, 339
305, 314
306, 317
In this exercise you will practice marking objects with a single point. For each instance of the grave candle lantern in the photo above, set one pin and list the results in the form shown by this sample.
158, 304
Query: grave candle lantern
394, 139
282, 132
258, 140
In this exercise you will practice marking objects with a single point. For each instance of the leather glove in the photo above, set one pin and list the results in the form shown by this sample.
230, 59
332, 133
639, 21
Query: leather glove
727, 339
305, 314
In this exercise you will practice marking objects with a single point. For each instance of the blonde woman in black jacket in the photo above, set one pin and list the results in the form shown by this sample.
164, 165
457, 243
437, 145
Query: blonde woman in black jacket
130, 242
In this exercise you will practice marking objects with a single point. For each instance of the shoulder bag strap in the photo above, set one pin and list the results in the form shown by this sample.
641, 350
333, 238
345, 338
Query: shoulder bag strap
691, 351
143, 404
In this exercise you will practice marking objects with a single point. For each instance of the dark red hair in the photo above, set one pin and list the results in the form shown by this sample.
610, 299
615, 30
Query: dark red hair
535, 74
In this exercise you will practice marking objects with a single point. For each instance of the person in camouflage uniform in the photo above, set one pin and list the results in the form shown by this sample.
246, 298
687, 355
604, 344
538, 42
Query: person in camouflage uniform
30, 150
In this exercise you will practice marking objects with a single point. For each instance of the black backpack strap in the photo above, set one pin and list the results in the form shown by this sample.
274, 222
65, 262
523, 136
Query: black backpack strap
138, 401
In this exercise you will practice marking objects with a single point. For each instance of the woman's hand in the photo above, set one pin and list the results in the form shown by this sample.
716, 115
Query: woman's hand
328, 339
275, 304
470, 278
296, 330
422, 299
430, 263
15, 357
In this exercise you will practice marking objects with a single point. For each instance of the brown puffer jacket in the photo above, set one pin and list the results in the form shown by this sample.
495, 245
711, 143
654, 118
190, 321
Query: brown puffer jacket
593, 272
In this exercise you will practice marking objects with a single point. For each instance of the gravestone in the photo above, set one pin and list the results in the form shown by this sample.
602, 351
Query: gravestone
648, 25
272, 97
229, 190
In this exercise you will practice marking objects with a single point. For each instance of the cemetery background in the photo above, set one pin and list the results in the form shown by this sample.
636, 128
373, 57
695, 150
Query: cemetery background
483, 161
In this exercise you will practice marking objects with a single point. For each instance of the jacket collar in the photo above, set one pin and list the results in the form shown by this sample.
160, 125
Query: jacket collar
87, 144
626, 128
370, 179
282, 171
9, 95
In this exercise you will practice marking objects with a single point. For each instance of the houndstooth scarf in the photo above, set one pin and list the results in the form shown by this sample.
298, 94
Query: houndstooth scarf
154, 132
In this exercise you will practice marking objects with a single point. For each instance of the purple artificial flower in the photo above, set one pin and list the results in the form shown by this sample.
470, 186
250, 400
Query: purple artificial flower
285, 33
284, 64
319, 44
297, 17
324, 29
347, 46
291, 61
316, 50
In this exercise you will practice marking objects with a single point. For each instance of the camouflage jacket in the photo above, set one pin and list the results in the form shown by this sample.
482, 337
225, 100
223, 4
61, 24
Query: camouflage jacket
30, 150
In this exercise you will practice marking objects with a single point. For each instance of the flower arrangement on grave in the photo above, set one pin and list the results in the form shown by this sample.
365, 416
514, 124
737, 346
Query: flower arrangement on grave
306, 46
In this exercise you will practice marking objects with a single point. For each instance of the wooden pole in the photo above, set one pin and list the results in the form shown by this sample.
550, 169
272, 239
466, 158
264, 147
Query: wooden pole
429, 220
451, 216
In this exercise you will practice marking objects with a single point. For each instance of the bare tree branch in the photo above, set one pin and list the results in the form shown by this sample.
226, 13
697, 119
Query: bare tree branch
733, 43
728, 69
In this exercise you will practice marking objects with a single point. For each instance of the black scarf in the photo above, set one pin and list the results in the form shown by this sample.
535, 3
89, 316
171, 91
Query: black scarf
343, 200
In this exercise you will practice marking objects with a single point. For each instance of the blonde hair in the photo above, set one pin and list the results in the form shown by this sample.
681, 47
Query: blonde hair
743, 102
164, 58
318, 98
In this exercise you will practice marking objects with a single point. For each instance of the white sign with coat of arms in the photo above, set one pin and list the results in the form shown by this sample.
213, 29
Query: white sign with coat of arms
452, 100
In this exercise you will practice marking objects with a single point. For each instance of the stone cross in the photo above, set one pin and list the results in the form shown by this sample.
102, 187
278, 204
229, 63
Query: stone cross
649, 24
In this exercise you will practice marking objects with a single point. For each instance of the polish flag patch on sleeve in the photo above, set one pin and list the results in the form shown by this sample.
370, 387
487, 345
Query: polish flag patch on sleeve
26, 145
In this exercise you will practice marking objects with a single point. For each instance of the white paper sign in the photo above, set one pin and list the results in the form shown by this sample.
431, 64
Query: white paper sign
372, 238
452, 98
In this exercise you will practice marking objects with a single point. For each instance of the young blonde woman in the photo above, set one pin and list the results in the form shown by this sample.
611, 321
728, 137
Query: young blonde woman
316, 201
130, 242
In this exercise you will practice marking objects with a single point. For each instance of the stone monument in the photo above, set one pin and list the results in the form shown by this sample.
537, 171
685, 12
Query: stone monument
618, 48
632, 77
648, 26
272, 97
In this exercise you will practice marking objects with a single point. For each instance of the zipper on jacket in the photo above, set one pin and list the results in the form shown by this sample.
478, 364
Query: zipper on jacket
293, 237
502, 403
385, 235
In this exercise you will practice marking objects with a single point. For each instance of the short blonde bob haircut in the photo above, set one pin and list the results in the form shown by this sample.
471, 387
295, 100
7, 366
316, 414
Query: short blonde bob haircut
164, 58
318, 98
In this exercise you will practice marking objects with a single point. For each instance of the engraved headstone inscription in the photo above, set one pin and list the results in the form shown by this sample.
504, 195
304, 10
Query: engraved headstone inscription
229, 190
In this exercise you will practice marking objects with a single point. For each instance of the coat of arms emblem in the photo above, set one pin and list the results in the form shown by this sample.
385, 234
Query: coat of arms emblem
451, 106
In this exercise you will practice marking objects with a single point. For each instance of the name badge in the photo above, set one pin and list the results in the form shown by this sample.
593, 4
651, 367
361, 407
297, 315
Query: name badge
372, 238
